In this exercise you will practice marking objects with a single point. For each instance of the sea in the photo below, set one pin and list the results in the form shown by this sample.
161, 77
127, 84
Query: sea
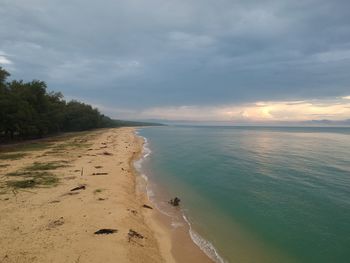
254, 194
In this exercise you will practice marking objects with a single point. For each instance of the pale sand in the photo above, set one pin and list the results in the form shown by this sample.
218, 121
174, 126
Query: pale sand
51, 225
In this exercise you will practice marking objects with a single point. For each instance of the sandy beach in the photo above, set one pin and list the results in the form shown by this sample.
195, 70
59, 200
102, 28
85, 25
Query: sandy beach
84, 184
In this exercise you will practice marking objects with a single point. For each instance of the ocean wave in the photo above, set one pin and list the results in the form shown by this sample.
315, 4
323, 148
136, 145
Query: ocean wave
144, 177
176, 224
146, 151
204, 244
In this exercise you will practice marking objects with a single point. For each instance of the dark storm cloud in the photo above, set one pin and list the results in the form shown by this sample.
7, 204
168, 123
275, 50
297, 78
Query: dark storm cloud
139, 54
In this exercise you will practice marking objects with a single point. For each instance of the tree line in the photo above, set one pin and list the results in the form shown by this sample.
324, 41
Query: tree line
28, 110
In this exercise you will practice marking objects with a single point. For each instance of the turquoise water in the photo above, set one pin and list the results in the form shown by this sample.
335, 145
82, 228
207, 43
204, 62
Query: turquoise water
259, 194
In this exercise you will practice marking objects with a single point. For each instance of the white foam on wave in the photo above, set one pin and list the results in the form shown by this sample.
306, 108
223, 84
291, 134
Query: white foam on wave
176, 224
144, 177
150, 193
204, 244
146, 151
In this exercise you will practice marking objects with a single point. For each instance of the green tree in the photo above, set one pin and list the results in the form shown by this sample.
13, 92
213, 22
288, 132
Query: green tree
27, 110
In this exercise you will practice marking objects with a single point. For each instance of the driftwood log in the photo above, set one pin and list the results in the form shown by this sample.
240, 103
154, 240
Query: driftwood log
105, 231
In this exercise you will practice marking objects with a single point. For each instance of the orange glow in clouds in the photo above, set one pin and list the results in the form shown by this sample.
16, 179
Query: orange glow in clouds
336, 109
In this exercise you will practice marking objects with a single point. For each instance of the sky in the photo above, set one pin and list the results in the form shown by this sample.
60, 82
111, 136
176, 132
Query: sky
192, 60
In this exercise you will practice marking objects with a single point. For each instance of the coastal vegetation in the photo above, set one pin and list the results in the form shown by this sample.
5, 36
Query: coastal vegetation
11, 156
34, 179
39, 174
28, 110
52, 156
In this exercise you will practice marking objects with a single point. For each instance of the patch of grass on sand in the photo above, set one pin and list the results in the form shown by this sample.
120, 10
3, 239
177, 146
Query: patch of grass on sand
39, 169
37, 166
4, 165
11, 156
36, 175
68, 146
62, 142
55, 150
19, 173
26, 147
77, 144
27, 183
37, 179
16, 152
37, 146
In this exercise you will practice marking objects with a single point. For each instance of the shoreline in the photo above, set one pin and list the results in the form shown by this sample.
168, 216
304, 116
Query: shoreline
54, 223
183, 246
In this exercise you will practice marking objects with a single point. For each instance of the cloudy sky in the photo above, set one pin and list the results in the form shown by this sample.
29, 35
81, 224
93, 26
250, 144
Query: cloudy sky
204, 60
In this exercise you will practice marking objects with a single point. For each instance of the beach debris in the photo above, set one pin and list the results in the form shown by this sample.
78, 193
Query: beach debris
107, 153
98, 166
99, 173
55, 201
80, 187
175, 201
133, 233
147, 206
82, 171
77, 170
56, 223
106, 231
101, 199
